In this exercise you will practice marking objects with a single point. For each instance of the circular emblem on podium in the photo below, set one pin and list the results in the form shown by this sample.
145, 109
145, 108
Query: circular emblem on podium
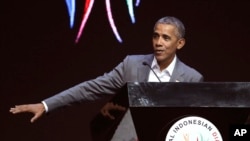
193, 128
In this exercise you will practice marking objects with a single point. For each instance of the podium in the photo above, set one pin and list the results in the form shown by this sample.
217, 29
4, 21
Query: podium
207, 110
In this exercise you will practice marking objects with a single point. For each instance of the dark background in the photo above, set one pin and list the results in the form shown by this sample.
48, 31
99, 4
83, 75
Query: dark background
39, 57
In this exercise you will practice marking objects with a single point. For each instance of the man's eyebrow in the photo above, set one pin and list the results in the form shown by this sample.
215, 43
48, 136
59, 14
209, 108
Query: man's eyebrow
155, 34
166, 36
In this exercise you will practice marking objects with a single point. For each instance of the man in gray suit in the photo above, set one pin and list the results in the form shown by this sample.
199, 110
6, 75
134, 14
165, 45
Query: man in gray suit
168, 37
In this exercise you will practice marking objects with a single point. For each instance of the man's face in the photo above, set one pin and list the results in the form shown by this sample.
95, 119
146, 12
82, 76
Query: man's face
166, 42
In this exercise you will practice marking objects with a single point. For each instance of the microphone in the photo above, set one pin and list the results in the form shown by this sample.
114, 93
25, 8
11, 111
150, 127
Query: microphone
146, 64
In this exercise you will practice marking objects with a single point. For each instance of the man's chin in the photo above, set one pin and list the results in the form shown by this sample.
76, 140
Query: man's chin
159, 57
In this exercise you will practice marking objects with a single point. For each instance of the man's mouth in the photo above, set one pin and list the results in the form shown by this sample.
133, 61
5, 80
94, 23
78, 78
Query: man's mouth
158, 51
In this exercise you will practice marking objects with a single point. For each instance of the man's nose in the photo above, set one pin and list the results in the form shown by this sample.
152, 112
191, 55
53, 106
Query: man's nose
159, 41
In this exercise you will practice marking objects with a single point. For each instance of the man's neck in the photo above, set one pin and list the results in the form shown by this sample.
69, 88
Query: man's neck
164, 64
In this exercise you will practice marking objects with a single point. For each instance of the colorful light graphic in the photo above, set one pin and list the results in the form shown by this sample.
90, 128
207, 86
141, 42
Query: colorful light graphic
88, 7
87, 10
71, 10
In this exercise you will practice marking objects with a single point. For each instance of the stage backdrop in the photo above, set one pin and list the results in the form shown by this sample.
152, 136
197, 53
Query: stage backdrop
49, 46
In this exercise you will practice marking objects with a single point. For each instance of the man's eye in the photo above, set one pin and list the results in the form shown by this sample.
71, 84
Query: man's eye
166, 38
155, 36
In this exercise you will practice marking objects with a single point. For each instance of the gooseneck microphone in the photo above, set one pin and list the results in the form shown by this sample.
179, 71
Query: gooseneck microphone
146, 64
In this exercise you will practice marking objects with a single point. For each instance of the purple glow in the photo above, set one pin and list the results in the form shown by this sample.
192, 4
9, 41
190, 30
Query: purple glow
137, 3
111, 21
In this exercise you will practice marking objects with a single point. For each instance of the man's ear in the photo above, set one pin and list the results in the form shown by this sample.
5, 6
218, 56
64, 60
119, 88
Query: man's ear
181, 43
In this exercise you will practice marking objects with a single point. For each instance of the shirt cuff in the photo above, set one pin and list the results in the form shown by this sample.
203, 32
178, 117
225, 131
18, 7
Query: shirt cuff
45, 106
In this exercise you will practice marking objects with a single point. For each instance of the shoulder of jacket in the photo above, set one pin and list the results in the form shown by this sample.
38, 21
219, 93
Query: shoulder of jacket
139, 56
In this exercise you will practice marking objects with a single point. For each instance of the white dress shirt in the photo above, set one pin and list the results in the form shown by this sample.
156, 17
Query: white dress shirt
163, 75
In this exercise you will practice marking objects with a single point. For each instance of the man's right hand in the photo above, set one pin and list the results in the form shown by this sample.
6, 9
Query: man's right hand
110, 106
37, 109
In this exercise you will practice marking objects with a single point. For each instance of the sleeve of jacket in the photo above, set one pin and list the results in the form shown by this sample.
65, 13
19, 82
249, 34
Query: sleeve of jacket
109, 83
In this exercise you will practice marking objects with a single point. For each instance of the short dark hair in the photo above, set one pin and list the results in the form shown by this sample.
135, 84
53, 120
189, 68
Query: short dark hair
173, 21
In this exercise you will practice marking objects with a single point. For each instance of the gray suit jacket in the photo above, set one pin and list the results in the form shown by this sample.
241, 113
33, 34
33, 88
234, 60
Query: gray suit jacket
131, 69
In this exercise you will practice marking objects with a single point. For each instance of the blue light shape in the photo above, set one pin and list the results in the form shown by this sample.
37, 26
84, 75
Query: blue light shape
71, 5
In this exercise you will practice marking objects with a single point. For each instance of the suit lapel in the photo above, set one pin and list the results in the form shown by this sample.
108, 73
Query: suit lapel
143, 70
178, 72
